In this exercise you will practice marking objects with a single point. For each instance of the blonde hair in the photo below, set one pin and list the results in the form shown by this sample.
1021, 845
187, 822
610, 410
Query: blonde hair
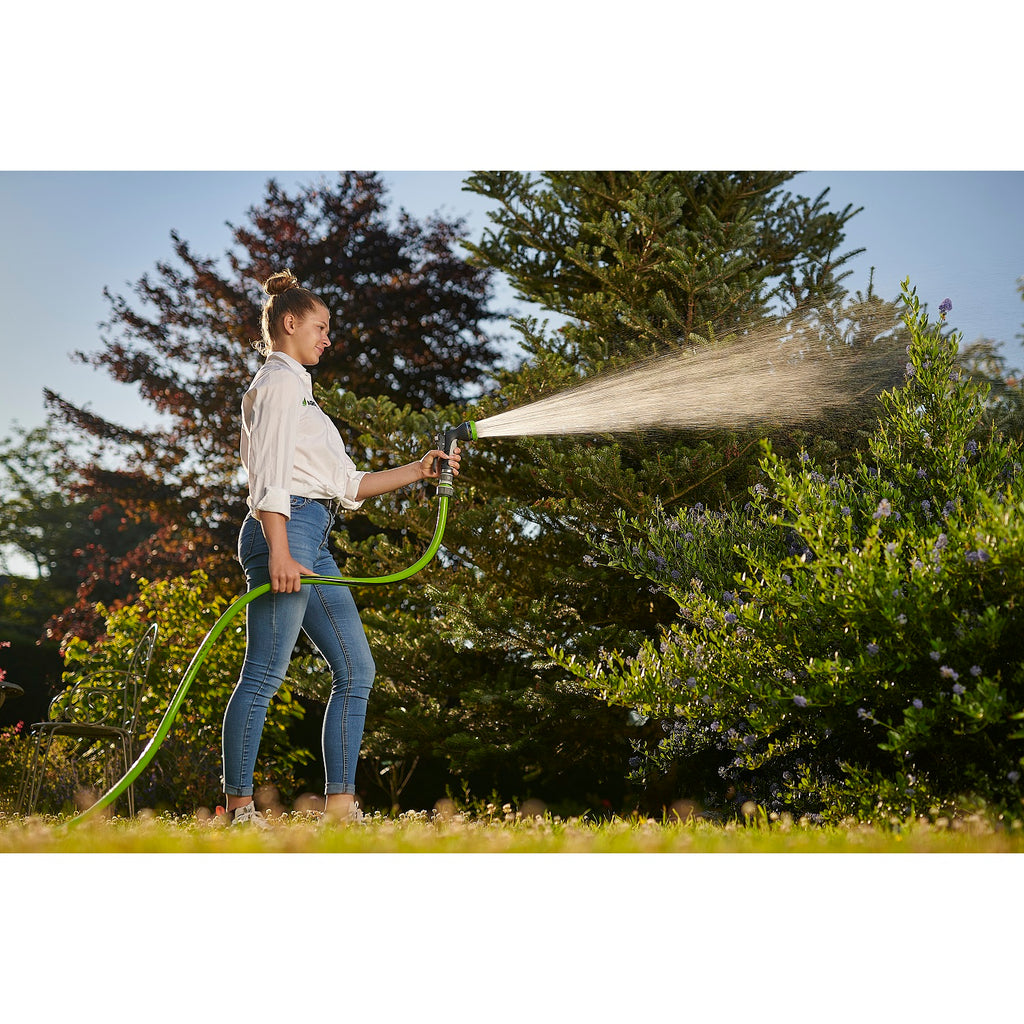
285, 295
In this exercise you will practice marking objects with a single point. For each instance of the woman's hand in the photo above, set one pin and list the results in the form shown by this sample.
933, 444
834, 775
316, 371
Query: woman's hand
431, 463
286, 573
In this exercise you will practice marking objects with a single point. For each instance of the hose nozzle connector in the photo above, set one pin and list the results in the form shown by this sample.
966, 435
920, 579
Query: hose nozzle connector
463, 432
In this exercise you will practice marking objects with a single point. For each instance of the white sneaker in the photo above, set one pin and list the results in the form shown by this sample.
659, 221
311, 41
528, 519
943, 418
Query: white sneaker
353, 817
248, 815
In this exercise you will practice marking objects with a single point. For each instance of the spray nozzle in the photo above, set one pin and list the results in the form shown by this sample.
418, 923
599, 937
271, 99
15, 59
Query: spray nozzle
463, 432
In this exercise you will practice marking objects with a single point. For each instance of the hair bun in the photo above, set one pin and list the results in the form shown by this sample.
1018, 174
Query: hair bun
280, 282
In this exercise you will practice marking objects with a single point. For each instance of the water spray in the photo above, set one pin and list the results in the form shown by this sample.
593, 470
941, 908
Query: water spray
776, 373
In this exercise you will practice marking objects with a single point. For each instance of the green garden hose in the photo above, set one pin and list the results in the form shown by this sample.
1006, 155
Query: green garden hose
219, 626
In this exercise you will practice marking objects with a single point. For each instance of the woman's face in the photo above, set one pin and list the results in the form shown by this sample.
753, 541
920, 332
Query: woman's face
305, 338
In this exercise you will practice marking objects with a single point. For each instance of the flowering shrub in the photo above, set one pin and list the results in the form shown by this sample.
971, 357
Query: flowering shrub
848, 642
10, 754
13, 750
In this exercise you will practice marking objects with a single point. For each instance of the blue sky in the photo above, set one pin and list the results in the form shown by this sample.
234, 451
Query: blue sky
64, 236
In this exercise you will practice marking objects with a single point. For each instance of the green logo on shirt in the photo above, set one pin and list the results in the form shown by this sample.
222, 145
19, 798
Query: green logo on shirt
306, 401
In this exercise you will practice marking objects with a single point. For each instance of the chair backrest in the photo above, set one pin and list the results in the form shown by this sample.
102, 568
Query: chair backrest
108, 700
135, 681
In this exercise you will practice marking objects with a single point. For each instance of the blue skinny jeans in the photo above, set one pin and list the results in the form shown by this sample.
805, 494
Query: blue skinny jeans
328, 616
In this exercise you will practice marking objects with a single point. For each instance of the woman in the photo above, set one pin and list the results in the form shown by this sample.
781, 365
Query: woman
299, 476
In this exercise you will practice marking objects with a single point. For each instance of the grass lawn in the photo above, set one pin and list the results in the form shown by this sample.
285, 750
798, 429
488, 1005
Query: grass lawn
453, 832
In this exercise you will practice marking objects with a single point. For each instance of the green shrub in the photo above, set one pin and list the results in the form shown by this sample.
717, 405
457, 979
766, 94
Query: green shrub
185, 773
848, 642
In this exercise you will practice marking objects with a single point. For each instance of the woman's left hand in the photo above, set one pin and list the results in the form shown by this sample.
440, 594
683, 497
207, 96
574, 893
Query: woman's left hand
432, 461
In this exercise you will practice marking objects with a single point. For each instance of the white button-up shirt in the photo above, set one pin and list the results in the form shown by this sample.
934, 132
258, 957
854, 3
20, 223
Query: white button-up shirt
288, 445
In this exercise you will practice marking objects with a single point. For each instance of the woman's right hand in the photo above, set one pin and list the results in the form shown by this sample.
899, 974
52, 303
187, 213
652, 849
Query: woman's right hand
286, 573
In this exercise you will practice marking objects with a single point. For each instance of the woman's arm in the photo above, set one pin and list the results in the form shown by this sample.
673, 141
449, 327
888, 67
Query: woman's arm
285, 571
387, 480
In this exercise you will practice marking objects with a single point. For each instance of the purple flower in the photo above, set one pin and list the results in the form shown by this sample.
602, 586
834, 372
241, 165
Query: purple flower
872, 648
958, 689
863, 713
975, 670
944, 307
800, 702
730, 617
948, 673
884, 510
918, 703
1013, 776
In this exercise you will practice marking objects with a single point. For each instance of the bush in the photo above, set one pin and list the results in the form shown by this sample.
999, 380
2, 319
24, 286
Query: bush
848, 643
185, 773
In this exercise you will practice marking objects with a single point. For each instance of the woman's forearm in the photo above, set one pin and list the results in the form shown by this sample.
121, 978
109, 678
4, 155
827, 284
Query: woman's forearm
275, 529
387, 480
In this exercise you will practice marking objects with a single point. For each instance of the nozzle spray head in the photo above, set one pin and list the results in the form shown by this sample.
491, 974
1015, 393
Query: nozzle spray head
463, 432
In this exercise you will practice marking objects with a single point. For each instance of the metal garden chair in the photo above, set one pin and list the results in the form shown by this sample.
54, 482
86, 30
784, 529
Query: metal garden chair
98, 715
